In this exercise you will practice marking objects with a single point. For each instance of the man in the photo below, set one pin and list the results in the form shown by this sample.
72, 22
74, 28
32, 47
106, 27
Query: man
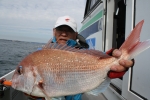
65, 32
66, 29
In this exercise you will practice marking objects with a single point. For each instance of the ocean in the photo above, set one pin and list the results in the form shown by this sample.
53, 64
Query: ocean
12, 52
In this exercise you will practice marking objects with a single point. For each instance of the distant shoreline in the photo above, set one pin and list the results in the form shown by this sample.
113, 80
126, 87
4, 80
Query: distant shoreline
21, 41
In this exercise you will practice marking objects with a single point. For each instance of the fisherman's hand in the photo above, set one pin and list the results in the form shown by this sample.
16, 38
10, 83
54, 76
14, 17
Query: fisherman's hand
118, 71
2, 80
124, 64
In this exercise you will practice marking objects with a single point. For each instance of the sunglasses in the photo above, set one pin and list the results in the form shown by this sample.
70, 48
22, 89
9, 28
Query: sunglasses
66, 30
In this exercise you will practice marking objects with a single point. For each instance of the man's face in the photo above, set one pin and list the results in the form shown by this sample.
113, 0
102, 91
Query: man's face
64, 33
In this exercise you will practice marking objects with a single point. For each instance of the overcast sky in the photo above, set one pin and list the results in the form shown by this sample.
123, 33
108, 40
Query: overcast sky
33, 20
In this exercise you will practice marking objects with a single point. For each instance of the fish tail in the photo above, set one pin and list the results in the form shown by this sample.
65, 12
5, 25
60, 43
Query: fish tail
132, 45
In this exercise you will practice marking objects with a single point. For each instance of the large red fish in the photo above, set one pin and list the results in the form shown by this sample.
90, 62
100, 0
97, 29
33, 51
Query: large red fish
58, 70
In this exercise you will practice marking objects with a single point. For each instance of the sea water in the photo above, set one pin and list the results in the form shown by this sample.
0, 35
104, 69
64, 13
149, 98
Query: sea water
12, 52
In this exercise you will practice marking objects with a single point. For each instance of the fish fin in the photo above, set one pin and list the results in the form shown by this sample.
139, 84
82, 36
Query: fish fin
47, 98
93, 52
140, 47
101, 88
40, 86
47, 44
96, 53
132, 45
51, 45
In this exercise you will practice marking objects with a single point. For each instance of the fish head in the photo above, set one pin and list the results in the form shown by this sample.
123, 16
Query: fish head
24, 77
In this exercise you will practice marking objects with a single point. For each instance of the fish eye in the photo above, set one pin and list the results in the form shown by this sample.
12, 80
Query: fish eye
20, 70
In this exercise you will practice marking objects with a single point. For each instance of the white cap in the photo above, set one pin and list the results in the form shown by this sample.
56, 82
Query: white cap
66, 20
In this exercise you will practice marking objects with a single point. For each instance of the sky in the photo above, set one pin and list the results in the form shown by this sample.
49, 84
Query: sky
33, 20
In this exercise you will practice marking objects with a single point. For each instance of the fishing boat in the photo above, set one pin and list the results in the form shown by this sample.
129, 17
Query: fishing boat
105, 25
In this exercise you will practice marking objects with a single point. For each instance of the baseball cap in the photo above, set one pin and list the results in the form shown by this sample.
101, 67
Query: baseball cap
66, 20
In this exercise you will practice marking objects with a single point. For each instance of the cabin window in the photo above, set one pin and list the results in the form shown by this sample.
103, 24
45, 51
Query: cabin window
92, 3
90, 6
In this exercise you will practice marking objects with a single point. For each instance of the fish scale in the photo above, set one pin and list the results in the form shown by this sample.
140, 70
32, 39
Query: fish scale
76, 85
74, 77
